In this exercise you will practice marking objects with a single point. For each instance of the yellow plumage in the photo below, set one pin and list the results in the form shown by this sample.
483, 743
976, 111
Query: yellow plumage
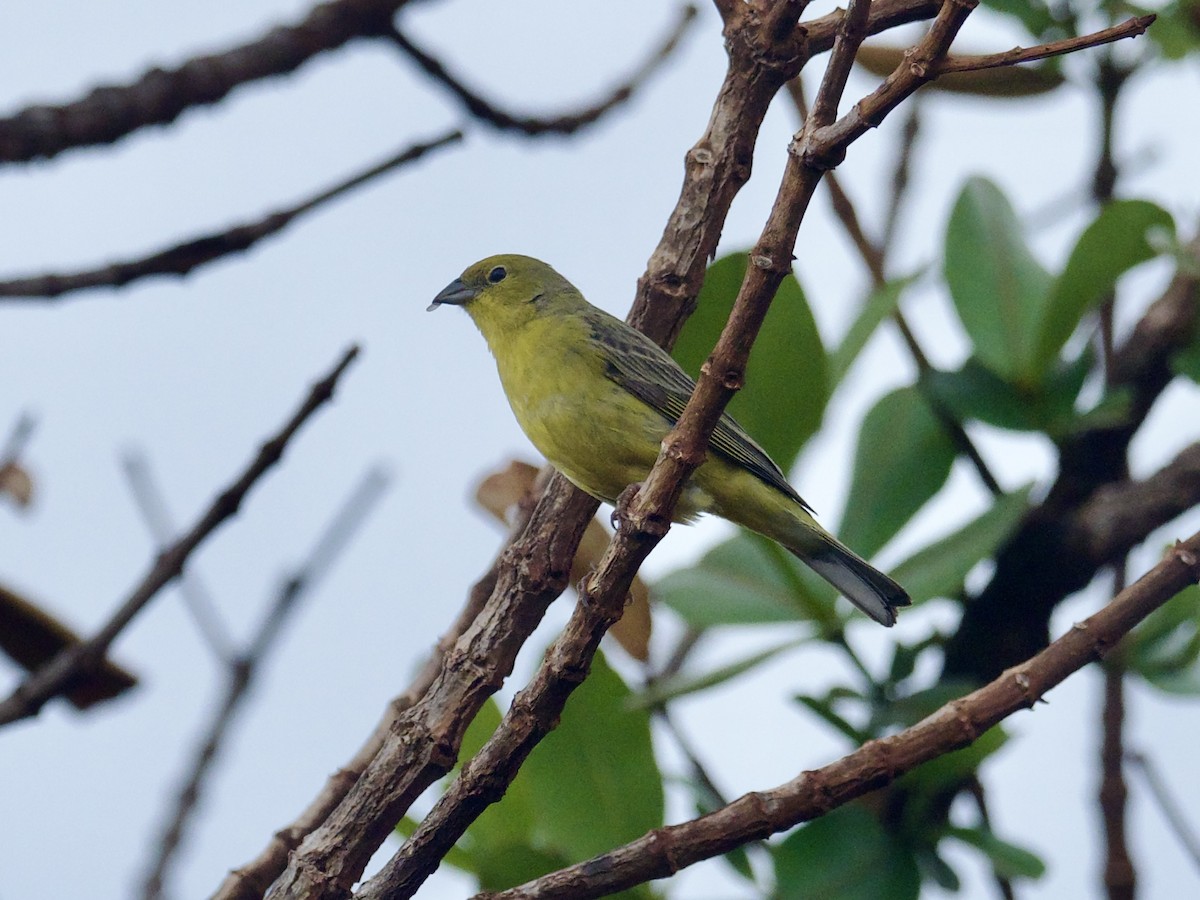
597, 397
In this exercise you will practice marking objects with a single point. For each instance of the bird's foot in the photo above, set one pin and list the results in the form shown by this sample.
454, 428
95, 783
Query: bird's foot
621, 508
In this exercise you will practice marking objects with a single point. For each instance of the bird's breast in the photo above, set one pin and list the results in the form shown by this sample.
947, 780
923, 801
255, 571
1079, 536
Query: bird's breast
596, 433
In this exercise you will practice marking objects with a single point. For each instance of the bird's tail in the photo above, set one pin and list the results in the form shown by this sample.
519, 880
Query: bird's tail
861, 583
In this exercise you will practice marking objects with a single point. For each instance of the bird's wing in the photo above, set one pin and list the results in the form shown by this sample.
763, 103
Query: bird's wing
648, 372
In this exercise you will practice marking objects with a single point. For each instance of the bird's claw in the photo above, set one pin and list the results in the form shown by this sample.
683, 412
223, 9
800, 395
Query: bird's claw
624, 501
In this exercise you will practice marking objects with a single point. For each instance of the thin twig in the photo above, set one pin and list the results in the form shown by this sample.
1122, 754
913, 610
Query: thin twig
901, 169
250, 882
872, 255
197, 599
1132, 27
32, 693
111, 112
536, 126
1167, 805
1120, 877
18, 437
245, 667
181, 259
974, 788
755, 816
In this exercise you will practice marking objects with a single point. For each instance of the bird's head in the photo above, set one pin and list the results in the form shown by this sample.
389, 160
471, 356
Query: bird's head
504, 293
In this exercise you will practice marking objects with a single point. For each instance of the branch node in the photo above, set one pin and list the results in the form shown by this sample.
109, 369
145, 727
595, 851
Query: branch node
1185, 556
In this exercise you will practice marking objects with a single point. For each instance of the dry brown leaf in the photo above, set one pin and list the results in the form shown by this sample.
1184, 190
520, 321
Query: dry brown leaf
500, 492
31, 636
1003, 81
16, 482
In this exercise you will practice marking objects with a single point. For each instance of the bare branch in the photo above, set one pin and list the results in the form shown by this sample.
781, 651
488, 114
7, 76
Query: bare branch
181, 259
1168, 805
1120, 878
250, 882
422, 743
644, 520
18, 437
196, 597
877, 763
244, 669
158, 97
872, 256
421, 746
536, 126
1132, 27
32, 693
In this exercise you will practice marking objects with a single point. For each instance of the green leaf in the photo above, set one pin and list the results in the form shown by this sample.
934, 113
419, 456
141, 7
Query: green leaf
878, 306
823, 708
1050, 405
997, 285
1114, 243
939, 569
903, 458
784, 398
935, 869
1037, 18
905, 656
1187, 361
1177, 28
594, 783
949, 770
740, 582
845, 855
1165, 648
976, 392
1008, 860
688, 683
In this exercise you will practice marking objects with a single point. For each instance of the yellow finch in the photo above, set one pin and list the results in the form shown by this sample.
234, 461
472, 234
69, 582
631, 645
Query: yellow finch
597, 398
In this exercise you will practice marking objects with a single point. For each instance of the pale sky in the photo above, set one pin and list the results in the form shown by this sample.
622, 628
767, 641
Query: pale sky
196, 372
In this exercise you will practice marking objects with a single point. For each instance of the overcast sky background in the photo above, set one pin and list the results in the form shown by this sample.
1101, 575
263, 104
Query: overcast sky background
196, 372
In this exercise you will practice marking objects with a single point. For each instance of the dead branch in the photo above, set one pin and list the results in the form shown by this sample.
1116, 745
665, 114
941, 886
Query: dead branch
536, 126
32, 694
181, 259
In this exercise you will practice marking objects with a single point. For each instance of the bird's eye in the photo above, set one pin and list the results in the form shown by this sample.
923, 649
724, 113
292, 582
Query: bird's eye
497, 274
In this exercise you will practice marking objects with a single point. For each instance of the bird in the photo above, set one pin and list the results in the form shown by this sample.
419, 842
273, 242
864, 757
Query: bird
596, 398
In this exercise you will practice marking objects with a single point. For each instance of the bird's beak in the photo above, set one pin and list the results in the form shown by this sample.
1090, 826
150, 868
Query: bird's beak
456, 293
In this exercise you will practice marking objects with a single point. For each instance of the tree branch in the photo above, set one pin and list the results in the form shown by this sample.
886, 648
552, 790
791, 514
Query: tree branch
250, 882
877, 763
534, 566
242, 670
644, 518
1132, 27
109, 113
1038, 566
32, 693
536, 126
181, 259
